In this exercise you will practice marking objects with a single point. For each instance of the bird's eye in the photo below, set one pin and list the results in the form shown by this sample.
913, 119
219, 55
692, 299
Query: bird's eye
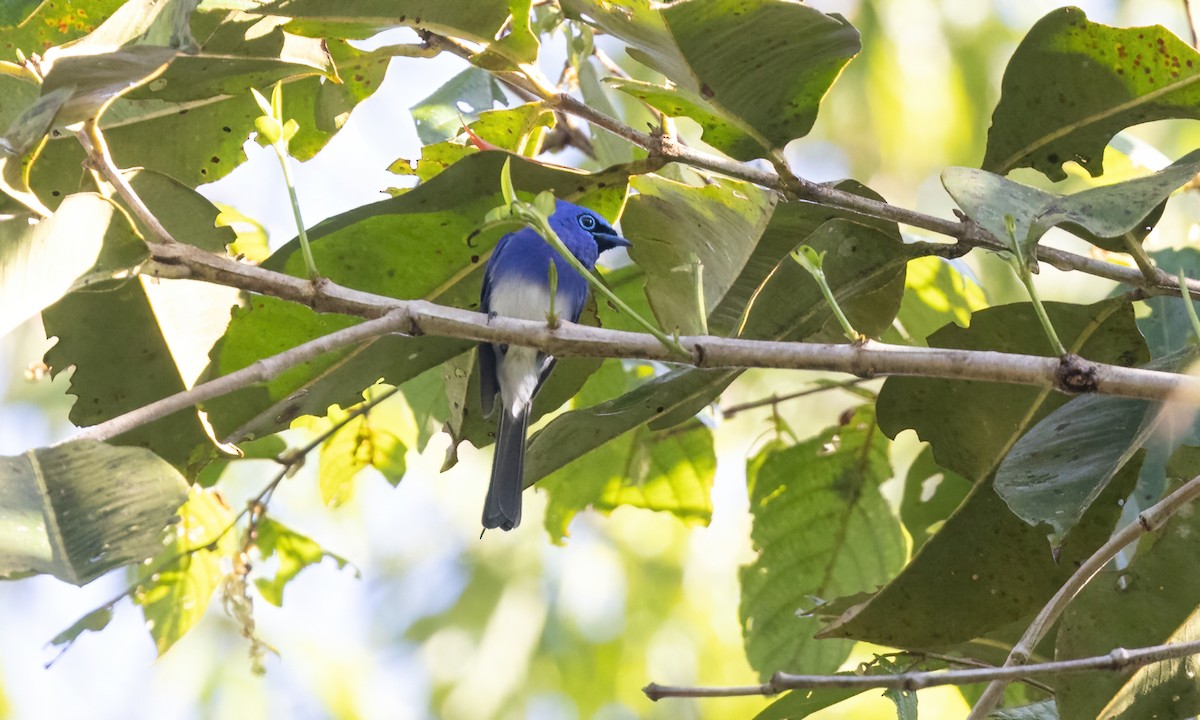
587, 222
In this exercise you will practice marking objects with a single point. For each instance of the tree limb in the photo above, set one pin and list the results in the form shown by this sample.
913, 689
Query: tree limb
1118, 659
1149, 520
1070, 374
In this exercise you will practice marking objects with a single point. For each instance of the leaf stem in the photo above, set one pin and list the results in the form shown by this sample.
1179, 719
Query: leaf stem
811, 261
1191, 308
310, 266
1027, 280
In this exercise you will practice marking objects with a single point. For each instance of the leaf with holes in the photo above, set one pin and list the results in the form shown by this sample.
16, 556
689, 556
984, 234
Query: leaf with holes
821, 530
966, 570
754, 84
1073, 84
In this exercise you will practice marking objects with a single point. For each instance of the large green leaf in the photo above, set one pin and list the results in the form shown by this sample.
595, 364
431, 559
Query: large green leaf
931, 494
51, 23
667, 470
121, 340
754, 84
937, 292
673, 226
1152, 601
41, 261
1073, 84
822, 529
1058, 468
415, 245
78, 510
966, 570
1168, 327
176, 586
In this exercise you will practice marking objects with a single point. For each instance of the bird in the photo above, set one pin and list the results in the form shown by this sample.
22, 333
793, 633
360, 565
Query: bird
516, 284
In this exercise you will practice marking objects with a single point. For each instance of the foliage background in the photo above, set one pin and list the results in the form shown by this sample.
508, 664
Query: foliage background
444, 625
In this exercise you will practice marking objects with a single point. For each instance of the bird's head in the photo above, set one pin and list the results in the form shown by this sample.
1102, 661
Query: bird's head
571, 221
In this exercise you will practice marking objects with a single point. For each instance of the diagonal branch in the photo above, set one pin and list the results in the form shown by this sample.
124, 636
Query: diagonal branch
1149, 520
965, 231
1117, 660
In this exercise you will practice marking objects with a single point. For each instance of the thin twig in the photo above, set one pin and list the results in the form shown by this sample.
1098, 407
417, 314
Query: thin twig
966, 231
1118, 659
1149, 520
1190, 13
99, 159
259, 371
775, 400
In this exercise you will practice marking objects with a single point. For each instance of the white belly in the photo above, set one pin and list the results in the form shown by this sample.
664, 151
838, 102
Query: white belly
519, 369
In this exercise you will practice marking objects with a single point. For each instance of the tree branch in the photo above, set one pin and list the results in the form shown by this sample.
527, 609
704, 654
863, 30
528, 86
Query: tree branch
1149, 520
1118, 659
1070, 374
965, 231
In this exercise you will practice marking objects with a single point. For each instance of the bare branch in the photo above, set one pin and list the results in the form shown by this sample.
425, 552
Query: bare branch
1149, 520
1118, 659
259, 371
1070, 374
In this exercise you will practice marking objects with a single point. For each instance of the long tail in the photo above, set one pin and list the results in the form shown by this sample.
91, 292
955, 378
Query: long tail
502, 508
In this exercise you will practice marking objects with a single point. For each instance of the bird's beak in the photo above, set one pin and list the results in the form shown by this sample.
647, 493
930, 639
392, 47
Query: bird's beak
611, 240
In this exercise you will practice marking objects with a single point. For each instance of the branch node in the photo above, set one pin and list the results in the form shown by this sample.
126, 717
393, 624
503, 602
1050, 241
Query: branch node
653, 691
1076, 375
699, 355
1120, 658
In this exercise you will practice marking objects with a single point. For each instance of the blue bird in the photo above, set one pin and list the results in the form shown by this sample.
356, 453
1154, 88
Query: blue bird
516, 284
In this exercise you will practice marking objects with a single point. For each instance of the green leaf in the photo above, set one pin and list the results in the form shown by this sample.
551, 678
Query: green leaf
965, 570
763, 76
561, 441
670, 224
515, 129
667, 471
610, 149
1044, 710
52, 24
799, 704
294, 553
1020, 214
1056, 470
78, 510
124, 338
470, 92
821, 530
1073, 84
138, 22
1150, 602
1168, 328
95, 81
931, 494
95, 621
175, 588
416, 245
475, 20
41, 261
519, 46
936, 293
369, 440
